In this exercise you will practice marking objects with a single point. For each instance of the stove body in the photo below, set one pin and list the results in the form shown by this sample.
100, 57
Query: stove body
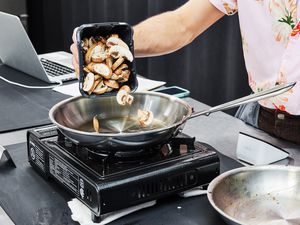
108, 181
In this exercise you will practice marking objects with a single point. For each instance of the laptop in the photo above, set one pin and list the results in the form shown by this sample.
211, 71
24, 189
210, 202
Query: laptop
17, 51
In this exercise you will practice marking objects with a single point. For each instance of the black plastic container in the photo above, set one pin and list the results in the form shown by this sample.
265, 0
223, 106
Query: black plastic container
125, 32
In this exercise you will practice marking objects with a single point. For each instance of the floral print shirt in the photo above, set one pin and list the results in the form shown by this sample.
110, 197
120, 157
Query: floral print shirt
270, 32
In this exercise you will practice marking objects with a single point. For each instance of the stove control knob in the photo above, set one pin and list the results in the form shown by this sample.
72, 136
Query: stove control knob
81, 191
32, 153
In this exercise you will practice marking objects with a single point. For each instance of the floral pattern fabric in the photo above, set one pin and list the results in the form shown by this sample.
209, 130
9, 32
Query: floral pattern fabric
270, 32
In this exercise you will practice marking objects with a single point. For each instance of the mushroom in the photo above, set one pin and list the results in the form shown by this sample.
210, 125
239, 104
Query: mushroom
102, 69
118, 51
114, 35
92, 42
121, 68
129, 99
88, 54
117, 63
116, 41
96, 82
124, 76
85, 69
145, 117
109, 62
126, 88
88, 82
112, 83
96, 124
114, 76
122, 97
98, 54
100, 89
102, 39
85, 44
90, 66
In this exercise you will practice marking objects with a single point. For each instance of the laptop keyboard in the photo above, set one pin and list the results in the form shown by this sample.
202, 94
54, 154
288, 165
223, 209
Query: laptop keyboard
55, 69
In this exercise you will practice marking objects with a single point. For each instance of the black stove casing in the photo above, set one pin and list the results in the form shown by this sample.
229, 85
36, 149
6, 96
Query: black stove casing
104, 194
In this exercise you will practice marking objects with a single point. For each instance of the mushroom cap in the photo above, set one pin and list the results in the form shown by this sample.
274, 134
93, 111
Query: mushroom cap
88, 82
145, 117
112, 83
126, 88
116, 41
98, 53
121, 97
118, 51
102, 69
100, 89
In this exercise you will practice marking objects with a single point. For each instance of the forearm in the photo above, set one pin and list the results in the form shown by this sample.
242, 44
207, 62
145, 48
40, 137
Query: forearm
170, 31
159, 35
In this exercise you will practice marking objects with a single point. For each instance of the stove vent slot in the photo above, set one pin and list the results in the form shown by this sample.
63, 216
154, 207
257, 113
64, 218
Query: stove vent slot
162, 185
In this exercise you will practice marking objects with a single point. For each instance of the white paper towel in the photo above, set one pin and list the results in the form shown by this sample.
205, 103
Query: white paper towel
82, 214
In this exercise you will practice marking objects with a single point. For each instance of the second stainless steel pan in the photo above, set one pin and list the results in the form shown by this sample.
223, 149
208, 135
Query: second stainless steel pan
119, 124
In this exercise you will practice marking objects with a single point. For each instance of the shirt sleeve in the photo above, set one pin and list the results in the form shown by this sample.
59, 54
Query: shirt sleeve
229, 7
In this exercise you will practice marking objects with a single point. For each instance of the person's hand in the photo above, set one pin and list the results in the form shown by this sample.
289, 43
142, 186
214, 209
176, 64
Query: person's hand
74, 51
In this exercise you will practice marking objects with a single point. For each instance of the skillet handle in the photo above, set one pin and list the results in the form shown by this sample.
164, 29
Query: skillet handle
277, 90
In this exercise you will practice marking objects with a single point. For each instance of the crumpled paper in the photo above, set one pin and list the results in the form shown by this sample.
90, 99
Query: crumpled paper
82, 214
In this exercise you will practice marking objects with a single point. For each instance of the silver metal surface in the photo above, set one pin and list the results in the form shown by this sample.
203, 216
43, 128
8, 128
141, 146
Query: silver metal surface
277, 90
119, 124
260, 195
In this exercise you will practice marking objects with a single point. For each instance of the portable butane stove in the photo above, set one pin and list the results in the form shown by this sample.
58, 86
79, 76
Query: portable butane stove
108, 181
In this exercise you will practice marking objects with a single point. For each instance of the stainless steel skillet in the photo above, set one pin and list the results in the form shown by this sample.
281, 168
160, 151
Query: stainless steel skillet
120, 128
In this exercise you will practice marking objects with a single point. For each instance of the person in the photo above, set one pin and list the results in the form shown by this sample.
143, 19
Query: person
270, 32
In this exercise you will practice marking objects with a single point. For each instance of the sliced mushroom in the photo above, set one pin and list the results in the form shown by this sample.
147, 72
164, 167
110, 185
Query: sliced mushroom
85, 69
96, 124
109, 89
122, 97
90, 66
129, 99
114, 35
118, 51
85, 44
88, 54
114, 76
117, 63
112, 83
145, 117
92, 42
100, 89
124, 76
126, 88
96, 82
118, 72
116, 41
88, 82
109, 62
102, 69
102, 39
121, 68
98, 53
98, 77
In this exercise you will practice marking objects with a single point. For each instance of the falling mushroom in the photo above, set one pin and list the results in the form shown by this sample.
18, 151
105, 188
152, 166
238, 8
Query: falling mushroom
96, 124
145, 117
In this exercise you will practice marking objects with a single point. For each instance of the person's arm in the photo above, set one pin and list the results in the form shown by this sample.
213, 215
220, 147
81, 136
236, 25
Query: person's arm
170, 31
